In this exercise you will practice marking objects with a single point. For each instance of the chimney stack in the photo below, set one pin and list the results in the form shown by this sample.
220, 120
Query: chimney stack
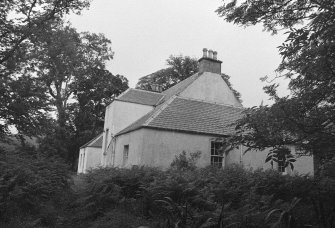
209, 62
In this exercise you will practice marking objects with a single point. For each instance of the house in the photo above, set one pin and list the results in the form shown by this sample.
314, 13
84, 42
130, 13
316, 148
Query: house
89, 154
151, 128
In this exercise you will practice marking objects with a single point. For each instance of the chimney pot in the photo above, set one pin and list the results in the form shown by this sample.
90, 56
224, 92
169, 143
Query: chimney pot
209, 63
204, 52
215, 55
210, 54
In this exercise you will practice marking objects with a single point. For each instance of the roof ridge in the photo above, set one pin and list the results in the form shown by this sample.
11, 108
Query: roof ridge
182, 85
159, 110
124, 92
210, 102
196, 76
147, 91
160, 100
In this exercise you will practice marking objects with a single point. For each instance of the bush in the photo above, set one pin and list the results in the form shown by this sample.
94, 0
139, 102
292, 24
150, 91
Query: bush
182, 162
106, 189
29, 182
207, 197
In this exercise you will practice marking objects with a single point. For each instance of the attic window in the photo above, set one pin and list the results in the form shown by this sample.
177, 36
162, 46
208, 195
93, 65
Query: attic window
216, 153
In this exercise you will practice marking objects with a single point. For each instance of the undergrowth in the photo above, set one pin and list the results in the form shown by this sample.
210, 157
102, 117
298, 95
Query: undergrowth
35, 191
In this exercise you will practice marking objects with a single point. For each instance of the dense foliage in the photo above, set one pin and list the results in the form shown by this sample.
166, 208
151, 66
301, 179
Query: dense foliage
22, 22
71, 68
178, 68
53, 80
306, 117
207, 197
39, 193
31, 187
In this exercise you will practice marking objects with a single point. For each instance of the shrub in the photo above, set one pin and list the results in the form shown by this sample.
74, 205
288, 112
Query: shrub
29, 181
183, 162
106, 189
203, 197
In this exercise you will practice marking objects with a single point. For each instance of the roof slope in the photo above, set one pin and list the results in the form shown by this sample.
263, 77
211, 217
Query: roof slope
179, 87
140, 97
176, 113
183, 114
95, 142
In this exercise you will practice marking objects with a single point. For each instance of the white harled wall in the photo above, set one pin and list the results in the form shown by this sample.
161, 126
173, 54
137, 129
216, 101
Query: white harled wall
157, 148
119, 115
211, 87
89, 158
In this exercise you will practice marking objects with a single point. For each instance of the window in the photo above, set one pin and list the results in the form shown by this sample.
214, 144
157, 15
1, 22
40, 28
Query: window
84, 161
281, 164
106, 140
81, 163
125, 154
217, 153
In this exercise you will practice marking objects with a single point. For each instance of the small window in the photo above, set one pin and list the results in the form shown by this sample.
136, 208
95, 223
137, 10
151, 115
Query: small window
281, 164
125, 154
106, 140
216, 153
83, 164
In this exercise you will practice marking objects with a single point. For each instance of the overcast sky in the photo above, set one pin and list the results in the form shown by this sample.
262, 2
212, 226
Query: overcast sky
145, 33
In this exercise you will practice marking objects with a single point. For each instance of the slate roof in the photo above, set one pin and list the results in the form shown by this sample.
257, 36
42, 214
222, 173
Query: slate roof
95, 142
197, 116
183, 114
175, 113
140, 97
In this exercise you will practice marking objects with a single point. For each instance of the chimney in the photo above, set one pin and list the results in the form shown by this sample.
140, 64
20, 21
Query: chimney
209, 62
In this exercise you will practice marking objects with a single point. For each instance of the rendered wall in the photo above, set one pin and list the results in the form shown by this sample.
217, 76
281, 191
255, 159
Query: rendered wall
89, 158
304, 164
158, 148
211, 87
118, 116
256, 159
135, 141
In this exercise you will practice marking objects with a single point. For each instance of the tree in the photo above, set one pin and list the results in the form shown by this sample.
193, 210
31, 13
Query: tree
22, 21
71, 66
87, 114
179, 68
65, 59
23, 101
306, 117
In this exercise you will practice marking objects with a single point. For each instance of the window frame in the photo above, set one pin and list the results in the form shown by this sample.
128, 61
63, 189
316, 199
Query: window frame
125, 154
281, 165
106, 141
214, 154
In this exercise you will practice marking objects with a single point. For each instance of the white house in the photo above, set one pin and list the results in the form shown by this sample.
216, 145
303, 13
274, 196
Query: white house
89, 155
150, 129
